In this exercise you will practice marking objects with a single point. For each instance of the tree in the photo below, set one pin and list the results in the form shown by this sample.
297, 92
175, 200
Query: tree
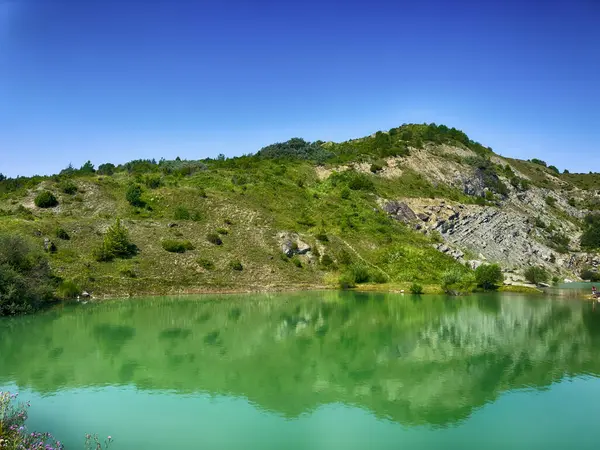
134, 195
2, 177
87, 168
116, 244
106, 169
536, 275
590, 239
488, 276
26, 281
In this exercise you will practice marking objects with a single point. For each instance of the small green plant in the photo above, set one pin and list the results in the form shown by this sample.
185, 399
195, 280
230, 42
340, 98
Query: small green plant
345, 193
181, 213
416, 289
222, 231
205, 263
134, 195
376, 167
346, 281
202, 192
68, 187
296, 261
61, 233
129, 273
360, 273
153, 181
214, 238
236, 265
116, 244
488, 276
327, 261
45, 199
174, 246
68, 290
322, 236
377, 276
550, 201
536, 275
228, 221
589, 275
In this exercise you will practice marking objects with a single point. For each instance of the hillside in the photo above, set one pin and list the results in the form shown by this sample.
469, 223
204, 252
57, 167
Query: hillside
408, 205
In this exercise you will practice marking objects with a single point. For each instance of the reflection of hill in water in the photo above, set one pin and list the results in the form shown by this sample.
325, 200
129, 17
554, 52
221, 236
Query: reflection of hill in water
414, 361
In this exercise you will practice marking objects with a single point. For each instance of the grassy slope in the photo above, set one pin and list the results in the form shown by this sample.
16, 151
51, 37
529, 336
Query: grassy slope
253, 199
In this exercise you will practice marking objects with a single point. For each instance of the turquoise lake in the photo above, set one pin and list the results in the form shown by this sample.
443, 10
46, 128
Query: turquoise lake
312, 370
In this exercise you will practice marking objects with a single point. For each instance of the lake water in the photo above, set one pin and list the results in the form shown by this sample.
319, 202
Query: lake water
321, 370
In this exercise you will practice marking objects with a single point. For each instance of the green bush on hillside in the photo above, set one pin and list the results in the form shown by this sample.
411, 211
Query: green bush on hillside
488, 277
589, 275
26, 281
106, 169
134, 195
116, 244
590, 239
236, 265
214, 238
536, 275
175, 246
539, 162
346, 281
68, 187
206, 263
550, 201
61, 233
45, 199
181, 213
455, 280
68, 290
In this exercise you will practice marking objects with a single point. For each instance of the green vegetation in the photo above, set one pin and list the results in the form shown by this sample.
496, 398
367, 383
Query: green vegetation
489, 276
174, 246
590, 239
416, 289
26, 282
236, 265
134, 195
61, 233
45, 199
116, 244
536, 275
590, 275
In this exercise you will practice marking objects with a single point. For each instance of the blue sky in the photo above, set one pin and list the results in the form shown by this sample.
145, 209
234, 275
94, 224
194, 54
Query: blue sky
115, 80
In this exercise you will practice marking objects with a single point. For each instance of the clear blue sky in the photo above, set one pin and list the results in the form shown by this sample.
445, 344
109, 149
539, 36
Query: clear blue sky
115, 80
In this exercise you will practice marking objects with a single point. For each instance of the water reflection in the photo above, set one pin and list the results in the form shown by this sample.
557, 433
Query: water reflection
414, 360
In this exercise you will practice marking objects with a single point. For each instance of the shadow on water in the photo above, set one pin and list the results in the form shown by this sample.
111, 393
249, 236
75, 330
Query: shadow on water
413, 360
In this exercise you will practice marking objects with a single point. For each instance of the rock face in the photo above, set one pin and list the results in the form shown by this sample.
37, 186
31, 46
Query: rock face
400, 211
291, 244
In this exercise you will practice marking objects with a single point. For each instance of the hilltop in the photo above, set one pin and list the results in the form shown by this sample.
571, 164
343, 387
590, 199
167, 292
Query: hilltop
418, 203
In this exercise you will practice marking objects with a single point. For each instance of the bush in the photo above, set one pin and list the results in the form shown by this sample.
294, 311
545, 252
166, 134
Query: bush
224, 231
322, 236
359, 273
202, 193
416, 289
214, 238
68, 187
106, 169
45, 199
377, 276
297, 262
550, 201
489, 276
345, 193
539, 162
206, 264
327, 261
589, 275
360, 182
554, 169
134, 195
181, 213
536, 275
236, 265
26, 281
590, 239
153, 181
376, 167
68, 290
457, 280
346, 281
61, 233
116, 244
174, 246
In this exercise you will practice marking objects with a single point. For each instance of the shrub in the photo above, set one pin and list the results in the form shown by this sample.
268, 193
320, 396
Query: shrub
116, 244
181, 213
134, 195
297, 262
26, 281
327, 261
360, 182
550, 201
554, 169
236, 265
153, 181
206, 264
457, 280
214, 238
536, 275
359, 273
540, 223
228, 221
202, 193
106, 169
572, 202
345, 193
539, 162
377, 276
589, 275
61, 233
68, 187
346, 281
223, 231
322, 236
174, 246
376, 167
590, 238
67, 290
416, 288
45, 199
488, 276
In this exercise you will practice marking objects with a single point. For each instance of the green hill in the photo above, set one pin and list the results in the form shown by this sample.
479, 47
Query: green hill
387, 210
